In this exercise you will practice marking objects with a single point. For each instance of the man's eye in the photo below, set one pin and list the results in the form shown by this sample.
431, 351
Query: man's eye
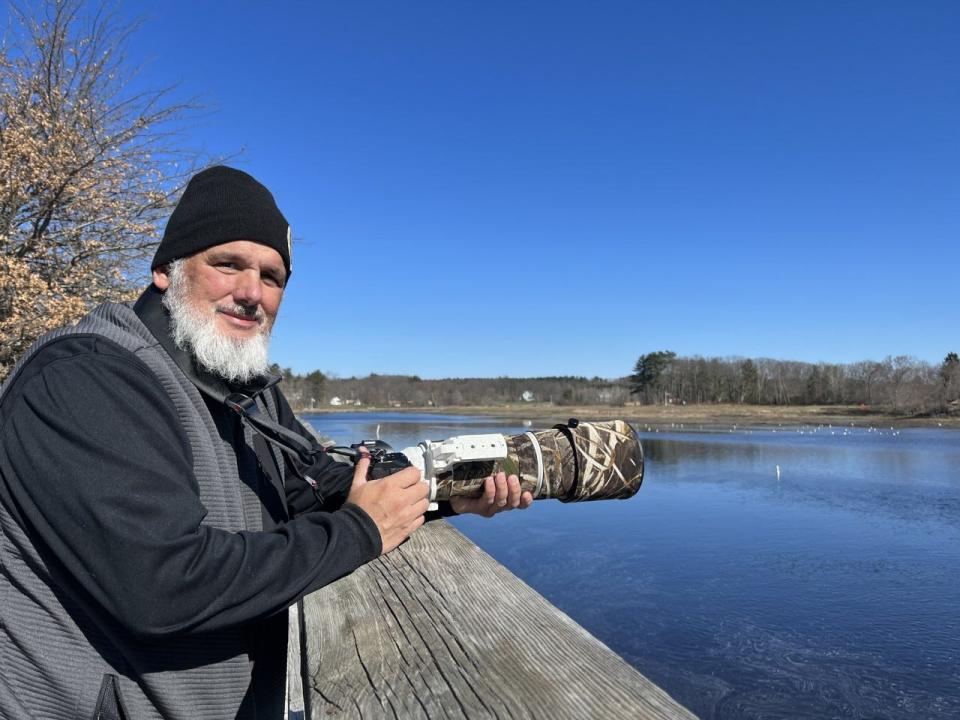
227, 265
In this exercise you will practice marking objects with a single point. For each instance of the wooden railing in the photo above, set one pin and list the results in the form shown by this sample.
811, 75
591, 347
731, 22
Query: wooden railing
439, 629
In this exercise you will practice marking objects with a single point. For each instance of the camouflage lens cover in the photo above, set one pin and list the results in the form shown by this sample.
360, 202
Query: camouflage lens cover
604, 462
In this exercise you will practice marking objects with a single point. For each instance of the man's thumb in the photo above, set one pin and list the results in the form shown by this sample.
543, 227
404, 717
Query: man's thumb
360, 471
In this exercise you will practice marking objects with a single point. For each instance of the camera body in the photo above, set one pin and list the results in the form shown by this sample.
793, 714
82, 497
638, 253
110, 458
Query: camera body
384, 460
437, 459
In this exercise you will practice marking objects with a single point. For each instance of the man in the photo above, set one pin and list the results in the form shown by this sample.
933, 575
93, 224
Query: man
151, 539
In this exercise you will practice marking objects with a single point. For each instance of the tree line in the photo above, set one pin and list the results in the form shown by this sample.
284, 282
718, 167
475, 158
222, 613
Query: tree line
315, 389
898, 384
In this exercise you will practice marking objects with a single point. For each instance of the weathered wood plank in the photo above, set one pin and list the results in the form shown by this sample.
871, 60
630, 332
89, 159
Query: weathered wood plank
438, 629
294, 708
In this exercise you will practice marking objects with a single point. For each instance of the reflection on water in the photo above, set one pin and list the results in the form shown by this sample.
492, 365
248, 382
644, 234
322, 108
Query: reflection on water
830, 593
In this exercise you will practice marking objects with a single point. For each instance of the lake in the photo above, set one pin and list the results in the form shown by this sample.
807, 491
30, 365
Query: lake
831, 591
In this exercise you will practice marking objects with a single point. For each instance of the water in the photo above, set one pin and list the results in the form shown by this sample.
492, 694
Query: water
831, 593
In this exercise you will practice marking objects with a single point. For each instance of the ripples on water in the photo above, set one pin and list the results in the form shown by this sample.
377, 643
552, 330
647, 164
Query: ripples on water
831, 593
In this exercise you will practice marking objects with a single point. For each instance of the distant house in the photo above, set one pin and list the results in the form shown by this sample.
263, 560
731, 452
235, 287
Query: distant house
527, 396
336, 401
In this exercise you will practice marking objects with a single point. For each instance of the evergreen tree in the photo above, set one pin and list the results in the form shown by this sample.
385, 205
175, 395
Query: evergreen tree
645, 379
950, 376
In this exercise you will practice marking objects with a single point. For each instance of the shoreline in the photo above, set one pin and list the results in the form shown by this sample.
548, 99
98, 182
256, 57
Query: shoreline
659, 415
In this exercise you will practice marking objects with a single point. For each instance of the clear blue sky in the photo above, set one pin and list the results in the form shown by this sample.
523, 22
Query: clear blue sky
545, 188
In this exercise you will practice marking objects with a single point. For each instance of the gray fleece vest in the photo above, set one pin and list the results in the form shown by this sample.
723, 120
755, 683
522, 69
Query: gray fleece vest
67, 659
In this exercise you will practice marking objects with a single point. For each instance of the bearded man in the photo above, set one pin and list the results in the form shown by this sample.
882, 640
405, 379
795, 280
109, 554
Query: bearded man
151, 540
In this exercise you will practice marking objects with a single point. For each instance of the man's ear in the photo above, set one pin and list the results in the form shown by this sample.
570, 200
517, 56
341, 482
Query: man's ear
160, 277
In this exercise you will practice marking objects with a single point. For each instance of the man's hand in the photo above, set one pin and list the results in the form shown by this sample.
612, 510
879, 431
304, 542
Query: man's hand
396, 503
499, 493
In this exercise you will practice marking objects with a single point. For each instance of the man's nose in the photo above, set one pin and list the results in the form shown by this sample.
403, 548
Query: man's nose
248, 290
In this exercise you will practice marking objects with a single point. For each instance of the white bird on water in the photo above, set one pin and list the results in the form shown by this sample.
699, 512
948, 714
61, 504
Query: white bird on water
778, 473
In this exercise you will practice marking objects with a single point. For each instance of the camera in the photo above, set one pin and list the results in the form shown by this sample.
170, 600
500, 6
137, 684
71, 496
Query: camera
384, 460
572, 462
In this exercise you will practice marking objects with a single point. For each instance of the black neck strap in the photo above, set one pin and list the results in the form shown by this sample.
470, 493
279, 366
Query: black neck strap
285, 439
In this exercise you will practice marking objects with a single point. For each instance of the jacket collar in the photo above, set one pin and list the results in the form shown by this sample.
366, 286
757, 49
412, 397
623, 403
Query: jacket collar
149, 308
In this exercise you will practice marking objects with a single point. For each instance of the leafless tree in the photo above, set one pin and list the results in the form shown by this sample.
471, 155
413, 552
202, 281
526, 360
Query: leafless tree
88, 168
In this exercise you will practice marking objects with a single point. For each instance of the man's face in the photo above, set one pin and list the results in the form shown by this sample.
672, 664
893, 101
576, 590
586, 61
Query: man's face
240, 283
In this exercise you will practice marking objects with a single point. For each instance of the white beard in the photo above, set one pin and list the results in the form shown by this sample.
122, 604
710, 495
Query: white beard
236, 360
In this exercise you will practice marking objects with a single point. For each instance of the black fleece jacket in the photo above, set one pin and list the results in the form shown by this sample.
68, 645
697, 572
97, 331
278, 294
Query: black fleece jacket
95, 466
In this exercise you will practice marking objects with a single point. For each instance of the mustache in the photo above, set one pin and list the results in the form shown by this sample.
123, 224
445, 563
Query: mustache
247, 312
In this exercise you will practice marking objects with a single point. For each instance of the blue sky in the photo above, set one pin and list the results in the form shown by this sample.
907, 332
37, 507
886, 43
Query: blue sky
546, 188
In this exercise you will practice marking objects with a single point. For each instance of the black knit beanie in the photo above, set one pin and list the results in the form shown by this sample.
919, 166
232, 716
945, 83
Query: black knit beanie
219, 205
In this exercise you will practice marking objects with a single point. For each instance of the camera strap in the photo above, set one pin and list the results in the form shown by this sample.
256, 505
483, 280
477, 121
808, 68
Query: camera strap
284, 438
295, 445
149, 308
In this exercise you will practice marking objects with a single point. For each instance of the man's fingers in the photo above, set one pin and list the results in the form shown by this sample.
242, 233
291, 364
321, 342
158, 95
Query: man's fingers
501, 494
408, 477
421, 506
513, 491
407, 485
416, 492
489, 491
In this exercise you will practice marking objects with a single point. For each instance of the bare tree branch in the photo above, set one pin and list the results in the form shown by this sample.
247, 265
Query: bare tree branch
89, 169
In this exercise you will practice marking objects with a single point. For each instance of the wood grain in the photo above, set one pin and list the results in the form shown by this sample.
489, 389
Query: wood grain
438, 629
294, 706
